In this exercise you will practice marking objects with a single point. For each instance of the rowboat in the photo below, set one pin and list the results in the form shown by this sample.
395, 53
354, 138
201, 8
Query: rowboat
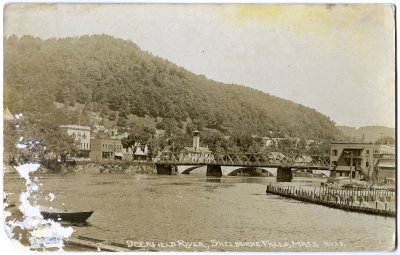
70, 216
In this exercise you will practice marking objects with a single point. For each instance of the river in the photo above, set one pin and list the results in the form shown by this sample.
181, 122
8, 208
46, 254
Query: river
221, 213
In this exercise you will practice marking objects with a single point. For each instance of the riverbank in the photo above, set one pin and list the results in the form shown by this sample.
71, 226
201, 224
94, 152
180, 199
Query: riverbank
114, 166
90, 167
377, 202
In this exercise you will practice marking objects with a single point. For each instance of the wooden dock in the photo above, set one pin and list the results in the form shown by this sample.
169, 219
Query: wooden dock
348, 200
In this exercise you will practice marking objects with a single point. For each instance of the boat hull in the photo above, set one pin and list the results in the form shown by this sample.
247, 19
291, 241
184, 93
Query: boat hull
76, 217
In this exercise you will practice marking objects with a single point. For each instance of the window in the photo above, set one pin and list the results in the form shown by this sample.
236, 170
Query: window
367, 164
367, 152
334, 163
334, 152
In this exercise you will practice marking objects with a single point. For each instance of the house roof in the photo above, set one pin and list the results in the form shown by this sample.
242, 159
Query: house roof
120, 136
391, 165
160, 132
277, 154
76, 127
387, 163
304, 159
344, 143
199, 150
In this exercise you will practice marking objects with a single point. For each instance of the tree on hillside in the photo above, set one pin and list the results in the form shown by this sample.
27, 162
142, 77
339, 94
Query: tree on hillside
246, 144
322, 148
139, 135
11, 136
178, 140
60, 143
215, 141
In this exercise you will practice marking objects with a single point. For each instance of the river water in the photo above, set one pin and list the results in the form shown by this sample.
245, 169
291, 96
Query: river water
221, 213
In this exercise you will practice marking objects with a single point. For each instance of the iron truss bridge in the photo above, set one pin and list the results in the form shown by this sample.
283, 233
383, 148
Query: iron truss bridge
246, 160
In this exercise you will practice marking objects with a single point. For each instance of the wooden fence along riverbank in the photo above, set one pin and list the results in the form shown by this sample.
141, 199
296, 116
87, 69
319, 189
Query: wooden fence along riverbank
363, 201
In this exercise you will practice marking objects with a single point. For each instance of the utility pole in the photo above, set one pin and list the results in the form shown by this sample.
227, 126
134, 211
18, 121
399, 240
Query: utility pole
351, 164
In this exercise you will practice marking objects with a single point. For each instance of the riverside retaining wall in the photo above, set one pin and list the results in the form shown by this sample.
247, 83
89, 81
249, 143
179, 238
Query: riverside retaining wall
338, 199
123, 167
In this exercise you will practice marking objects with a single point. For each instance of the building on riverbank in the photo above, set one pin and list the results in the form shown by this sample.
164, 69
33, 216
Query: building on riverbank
196, 152
141, 153
105, 148
81, 134
385, 168
358, 158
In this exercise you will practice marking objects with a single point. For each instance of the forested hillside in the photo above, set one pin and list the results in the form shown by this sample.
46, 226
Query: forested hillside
369, 133
106, 74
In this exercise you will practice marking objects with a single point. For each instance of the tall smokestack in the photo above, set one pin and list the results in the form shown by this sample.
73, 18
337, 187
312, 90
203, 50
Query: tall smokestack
196, 140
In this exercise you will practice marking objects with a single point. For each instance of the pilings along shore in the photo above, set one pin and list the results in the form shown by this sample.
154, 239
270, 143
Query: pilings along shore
363, 201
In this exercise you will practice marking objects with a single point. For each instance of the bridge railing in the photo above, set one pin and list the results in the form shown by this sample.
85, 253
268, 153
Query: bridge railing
246, 159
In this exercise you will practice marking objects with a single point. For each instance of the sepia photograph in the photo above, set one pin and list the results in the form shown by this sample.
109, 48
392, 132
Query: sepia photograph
207, 127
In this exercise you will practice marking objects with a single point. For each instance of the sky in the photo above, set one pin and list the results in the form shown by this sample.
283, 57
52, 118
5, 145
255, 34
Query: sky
337, 59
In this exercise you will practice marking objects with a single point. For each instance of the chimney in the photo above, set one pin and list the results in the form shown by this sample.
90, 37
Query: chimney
196, 139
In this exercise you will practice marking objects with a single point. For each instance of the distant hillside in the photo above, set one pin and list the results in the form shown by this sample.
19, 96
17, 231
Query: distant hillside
370, 133
116, 78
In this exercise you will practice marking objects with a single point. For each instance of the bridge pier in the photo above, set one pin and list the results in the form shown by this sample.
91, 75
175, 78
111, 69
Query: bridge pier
164, 169
284, 174
214, 170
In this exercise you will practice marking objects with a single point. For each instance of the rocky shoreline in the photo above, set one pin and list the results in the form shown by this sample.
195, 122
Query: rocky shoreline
122, 167
114, 166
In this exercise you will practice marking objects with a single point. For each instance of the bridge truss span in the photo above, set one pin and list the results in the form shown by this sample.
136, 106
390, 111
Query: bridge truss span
246, 160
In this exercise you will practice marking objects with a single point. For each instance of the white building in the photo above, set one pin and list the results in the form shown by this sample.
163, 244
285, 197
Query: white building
81, 134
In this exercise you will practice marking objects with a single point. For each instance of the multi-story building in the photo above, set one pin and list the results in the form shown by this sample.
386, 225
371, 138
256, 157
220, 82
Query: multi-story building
103, 148
385, 168
81, 134
360, 159
196, 153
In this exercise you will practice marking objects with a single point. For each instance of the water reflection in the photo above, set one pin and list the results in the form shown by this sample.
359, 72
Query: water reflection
214, 179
